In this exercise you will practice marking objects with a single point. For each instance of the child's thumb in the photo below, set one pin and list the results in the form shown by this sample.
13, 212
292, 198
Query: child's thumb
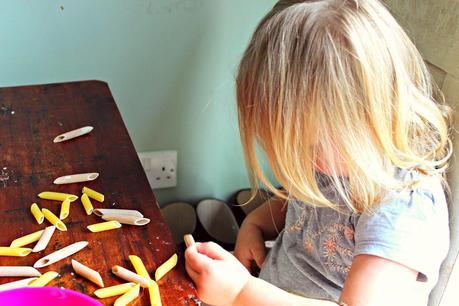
196, 260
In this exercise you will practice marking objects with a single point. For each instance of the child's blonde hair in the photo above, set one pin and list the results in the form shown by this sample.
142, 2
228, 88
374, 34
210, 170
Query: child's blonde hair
338, 81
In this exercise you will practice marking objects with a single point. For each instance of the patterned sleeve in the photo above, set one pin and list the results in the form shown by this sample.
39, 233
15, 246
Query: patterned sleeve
410, 228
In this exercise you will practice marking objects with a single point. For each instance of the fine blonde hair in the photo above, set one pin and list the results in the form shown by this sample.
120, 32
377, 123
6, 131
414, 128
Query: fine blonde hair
340, 82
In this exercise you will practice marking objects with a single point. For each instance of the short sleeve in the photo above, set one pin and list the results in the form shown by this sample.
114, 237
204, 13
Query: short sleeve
409, 227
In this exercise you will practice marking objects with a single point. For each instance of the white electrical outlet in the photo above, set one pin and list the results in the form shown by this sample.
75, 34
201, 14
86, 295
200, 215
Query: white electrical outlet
160, 168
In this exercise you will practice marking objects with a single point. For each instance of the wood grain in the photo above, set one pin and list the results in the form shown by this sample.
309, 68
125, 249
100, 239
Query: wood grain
30, 118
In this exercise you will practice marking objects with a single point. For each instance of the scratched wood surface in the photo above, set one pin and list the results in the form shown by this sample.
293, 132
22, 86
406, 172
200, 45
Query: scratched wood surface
30, 118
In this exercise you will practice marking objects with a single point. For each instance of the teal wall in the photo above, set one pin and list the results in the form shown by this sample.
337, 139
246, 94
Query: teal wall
170, 65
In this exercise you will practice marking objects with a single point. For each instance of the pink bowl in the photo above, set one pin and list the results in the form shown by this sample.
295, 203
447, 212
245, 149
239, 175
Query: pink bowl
45, 296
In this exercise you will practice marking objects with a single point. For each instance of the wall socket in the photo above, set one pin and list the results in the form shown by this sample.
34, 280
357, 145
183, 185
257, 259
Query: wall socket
160, 168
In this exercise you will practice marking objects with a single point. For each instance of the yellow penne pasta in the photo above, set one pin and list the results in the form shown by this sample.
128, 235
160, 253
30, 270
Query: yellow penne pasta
57, 196
87, 204
27, 239
113, 290
93, 194
166, 267
104, 226
139, 267
36, 212
65, 209
54, 220
17, 252
153, 291
128, 297
44, 279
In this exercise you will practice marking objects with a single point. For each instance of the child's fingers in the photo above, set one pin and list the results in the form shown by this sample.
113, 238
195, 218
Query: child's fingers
192, 273
213, 250
196, 261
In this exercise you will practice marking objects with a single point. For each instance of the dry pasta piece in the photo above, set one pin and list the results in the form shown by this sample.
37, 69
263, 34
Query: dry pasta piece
104, 226
126, 219
54, 220
130, 276
44, 239
17, 284
60, 254
73, 134
36, 212
99, 197
27, 239
17, 252
18, 271
139, 267
189, 240
110, 211
57, 196
87, 204
113, 290
87, 273
44, 279
65, 209
153, 291
76, 178
166, 267
128, 297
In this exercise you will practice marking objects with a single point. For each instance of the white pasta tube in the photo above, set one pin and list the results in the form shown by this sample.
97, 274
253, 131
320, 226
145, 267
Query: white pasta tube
99, 197
27, 239
87, 204
113, 290
87, 273
166, 267
126, 219
76, 178
44, 279
54, 220
18, 271
128, 297
65, 209
189, 240
17, 252
17, 284
130, 276
44, 239
104, 226
57, 196
108, 211
36, 212
60, 254
73, 134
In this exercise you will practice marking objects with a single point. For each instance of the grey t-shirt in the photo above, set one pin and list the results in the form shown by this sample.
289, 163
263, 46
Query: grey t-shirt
312, 255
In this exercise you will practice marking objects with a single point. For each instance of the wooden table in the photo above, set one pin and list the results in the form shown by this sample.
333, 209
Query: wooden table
30, 118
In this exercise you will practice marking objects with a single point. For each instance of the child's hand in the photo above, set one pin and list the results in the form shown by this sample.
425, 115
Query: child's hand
250, 245
218, 275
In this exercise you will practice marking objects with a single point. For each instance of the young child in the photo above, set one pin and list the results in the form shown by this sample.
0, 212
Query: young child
341, 102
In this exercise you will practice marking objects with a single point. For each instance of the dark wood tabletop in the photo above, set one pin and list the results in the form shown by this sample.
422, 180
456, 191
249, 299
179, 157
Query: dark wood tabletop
30, 118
